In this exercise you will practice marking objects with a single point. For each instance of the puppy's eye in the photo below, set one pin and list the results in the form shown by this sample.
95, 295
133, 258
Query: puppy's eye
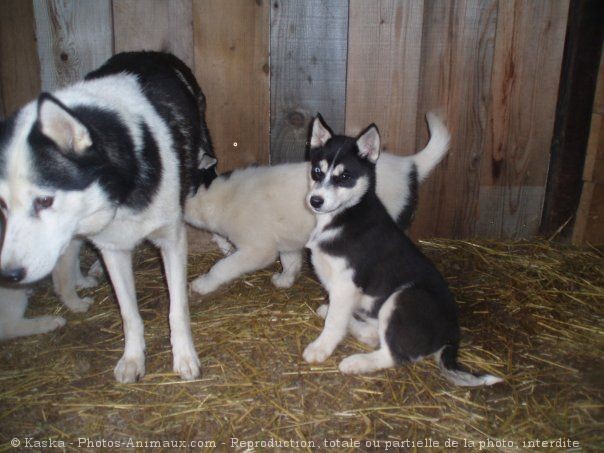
316, 173
345, 177
41, 203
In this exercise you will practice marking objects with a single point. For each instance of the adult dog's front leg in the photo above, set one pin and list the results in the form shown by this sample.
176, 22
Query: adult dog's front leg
342, 300
173, 246
131, 366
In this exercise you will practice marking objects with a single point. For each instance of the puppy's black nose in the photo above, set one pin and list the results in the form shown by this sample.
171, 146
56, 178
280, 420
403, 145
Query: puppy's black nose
316, 201
13, 275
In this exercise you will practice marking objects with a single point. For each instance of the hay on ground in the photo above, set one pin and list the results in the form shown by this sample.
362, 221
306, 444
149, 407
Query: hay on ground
531, 312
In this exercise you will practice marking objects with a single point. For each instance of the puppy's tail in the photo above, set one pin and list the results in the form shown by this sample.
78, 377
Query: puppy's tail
454, 372
435, 150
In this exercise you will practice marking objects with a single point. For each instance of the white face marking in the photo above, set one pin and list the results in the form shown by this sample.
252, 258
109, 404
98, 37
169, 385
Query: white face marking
323, 165
335, 198
338, 170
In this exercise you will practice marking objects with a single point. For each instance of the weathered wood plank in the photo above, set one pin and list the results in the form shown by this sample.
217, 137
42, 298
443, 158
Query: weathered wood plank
154, 25
594, 160
19, 64
308, 71
526, 75
232, 64
73, 38
457, 55
384, 56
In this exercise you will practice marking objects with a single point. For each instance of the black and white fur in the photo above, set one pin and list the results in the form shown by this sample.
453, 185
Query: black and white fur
66, 277
112, 159
381, 287
262, 212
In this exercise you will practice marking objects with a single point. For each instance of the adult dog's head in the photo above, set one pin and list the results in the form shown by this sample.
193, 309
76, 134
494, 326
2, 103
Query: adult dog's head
48, 186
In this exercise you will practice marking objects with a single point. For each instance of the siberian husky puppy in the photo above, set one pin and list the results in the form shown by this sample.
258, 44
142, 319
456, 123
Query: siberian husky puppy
262, 212
381, 287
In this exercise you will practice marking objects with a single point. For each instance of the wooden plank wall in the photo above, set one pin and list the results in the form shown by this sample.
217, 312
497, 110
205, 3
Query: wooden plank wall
589, 226
491, 67
308, 71
232, 66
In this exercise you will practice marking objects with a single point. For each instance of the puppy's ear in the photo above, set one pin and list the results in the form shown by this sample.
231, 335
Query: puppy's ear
369, 144
320, 132
206, 161
59, 124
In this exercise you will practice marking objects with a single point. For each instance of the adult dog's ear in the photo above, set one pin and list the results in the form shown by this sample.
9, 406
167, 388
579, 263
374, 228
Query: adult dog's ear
58, 123
369, 143
321, 132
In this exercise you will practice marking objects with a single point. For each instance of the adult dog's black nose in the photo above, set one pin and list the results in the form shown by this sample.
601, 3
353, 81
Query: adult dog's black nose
316, 201
13, 275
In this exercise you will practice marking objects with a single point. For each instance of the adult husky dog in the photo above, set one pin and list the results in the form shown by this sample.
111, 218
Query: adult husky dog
381, 287
112, 159
262, 212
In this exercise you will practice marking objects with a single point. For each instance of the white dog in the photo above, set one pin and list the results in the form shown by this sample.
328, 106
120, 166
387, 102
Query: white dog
262, 210
66, 277
112, 159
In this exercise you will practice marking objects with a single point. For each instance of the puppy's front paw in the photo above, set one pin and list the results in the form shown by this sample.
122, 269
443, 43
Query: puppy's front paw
187, 366
78, 305
50, 323
204, 284
129, 369
283, 280
317, 352
322, 311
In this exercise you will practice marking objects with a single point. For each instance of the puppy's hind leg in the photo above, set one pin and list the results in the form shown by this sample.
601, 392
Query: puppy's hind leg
67, 275
173, 245
292, 264
13, 303
244, 260
131, 366
365, 331
376, 360
367, 363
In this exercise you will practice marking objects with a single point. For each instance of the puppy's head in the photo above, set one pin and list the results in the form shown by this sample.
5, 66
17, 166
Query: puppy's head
342, 168
45, 190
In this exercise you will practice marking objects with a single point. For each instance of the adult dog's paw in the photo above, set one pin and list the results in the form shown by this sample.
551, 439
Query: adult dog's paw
129, 369
187, 366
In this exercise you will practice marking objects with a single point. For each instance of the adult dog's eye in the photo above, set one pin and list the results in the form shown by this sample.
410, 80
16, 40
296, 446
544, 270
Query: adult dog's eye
41, 203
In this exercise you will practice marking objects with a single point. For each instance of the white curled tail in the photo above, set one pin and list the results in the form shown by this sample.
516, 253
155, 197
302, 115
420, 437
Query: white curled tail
435, 150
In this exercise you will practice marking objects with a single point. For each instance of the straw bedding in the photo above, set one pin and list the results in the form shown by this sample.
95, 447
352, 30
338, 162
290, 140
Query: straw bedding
531, 312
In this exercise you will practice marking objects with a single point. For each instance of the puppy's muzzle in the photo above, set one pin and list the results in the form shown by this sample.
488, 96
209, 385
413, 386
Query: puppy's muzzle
316, 201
